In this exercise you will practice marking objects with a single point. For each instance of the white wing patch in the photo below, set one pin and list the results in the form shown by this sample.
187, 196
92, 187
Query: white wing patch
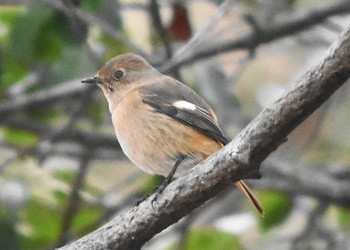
184, 105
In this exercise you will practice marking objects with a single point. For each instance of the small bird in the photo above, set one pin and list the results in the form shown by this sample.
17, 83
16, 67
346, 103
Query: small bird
162, 125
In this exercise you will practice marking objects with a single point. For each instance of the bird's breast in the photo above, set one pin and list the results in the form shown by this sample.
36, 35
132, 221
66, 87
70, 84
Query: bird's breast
154, 141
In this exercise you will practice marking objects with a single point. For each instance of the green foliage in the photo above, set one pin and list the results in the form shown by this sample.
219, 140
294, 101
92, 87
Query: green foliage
277, 207
40, 34
36, 34
208, 239
44, 115
344, 218
43, 221
90, 5
12, 71
60, 196
25, 32
155, 39
113, 47
9, 14
65, 175
96, 112
19, 137
86, 220
152, 182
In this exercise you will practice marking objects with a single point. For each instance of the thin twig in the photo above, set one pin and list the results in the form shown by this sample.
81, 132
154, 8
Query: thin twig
74, 199
310, 226
158, 26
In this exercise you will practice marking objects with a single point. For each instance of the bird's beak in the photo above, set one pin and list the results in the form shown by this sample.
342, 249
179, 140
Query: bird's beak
94, 80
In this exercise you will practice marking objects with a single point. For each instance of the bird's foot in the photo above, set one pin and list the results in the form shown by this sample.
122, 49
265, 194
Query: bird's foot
158, 190
141, 200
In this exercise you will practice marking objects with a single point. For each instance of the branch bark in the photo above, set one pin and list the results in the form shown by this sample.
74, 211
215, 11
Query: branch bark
240, 159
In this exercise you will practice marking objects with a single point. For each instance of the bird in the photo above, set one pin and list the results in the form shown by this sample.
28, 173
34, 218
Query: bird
161, 124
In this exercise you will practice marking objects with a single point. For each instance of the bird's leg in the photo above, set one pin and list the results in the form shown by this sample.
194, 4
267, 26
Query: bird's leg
168, 178
159, 189
170, 175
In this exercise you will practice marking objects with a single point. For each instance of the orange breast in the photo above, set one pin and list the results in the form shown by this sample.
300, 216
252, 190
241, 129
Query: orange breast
153, 140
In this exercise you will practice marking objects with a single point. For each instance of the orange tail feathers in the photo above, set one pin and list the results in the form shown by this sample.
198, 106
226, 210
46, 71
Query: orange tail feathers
249, 193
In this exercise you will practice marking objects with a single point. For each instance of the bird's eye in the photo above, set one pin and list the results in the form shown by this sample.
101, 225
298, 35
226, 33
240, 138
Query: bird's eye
118, 74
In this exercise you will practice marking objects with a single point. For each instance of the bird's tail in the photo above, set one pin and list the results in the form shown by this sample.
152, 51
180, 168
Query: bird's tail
249, 193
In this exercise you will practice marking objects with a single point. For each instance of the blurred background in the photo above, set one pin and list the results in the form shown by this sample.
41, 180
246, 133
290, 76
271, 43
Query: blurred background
62, 172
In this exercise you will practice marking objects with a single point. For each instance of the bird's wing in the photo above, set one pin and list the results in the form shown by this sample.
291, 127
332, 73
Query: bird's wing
184, 105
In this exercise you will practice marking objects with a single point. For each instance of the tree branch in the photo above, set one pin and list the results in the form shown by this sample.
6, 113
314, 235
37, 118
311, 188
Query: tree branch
91, 139
42, 98
241, 158
74, 200
266, 34
294, 179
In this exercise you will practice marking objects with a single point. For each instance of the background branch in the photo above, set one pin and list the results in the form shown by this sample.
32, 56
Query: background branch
266, 34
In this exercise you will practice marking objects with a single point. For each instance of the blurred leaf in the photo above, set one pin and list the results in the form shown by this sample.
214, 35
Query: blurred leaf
344, 218
96, 111
65, 175
44, 222
155, 39
20, 137
277, 207
8, 16
54, 36
90, 5
47, 47
208, 239
44, 115
68, 176
70, 65
40, 33
153, 181
86, 218
12, 73
60, 196
25, 32
113, 47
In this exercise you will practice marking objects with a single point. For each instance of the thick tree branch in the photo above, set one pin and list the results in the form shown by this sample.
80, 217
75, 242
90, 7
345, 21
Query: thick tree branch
241, 158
